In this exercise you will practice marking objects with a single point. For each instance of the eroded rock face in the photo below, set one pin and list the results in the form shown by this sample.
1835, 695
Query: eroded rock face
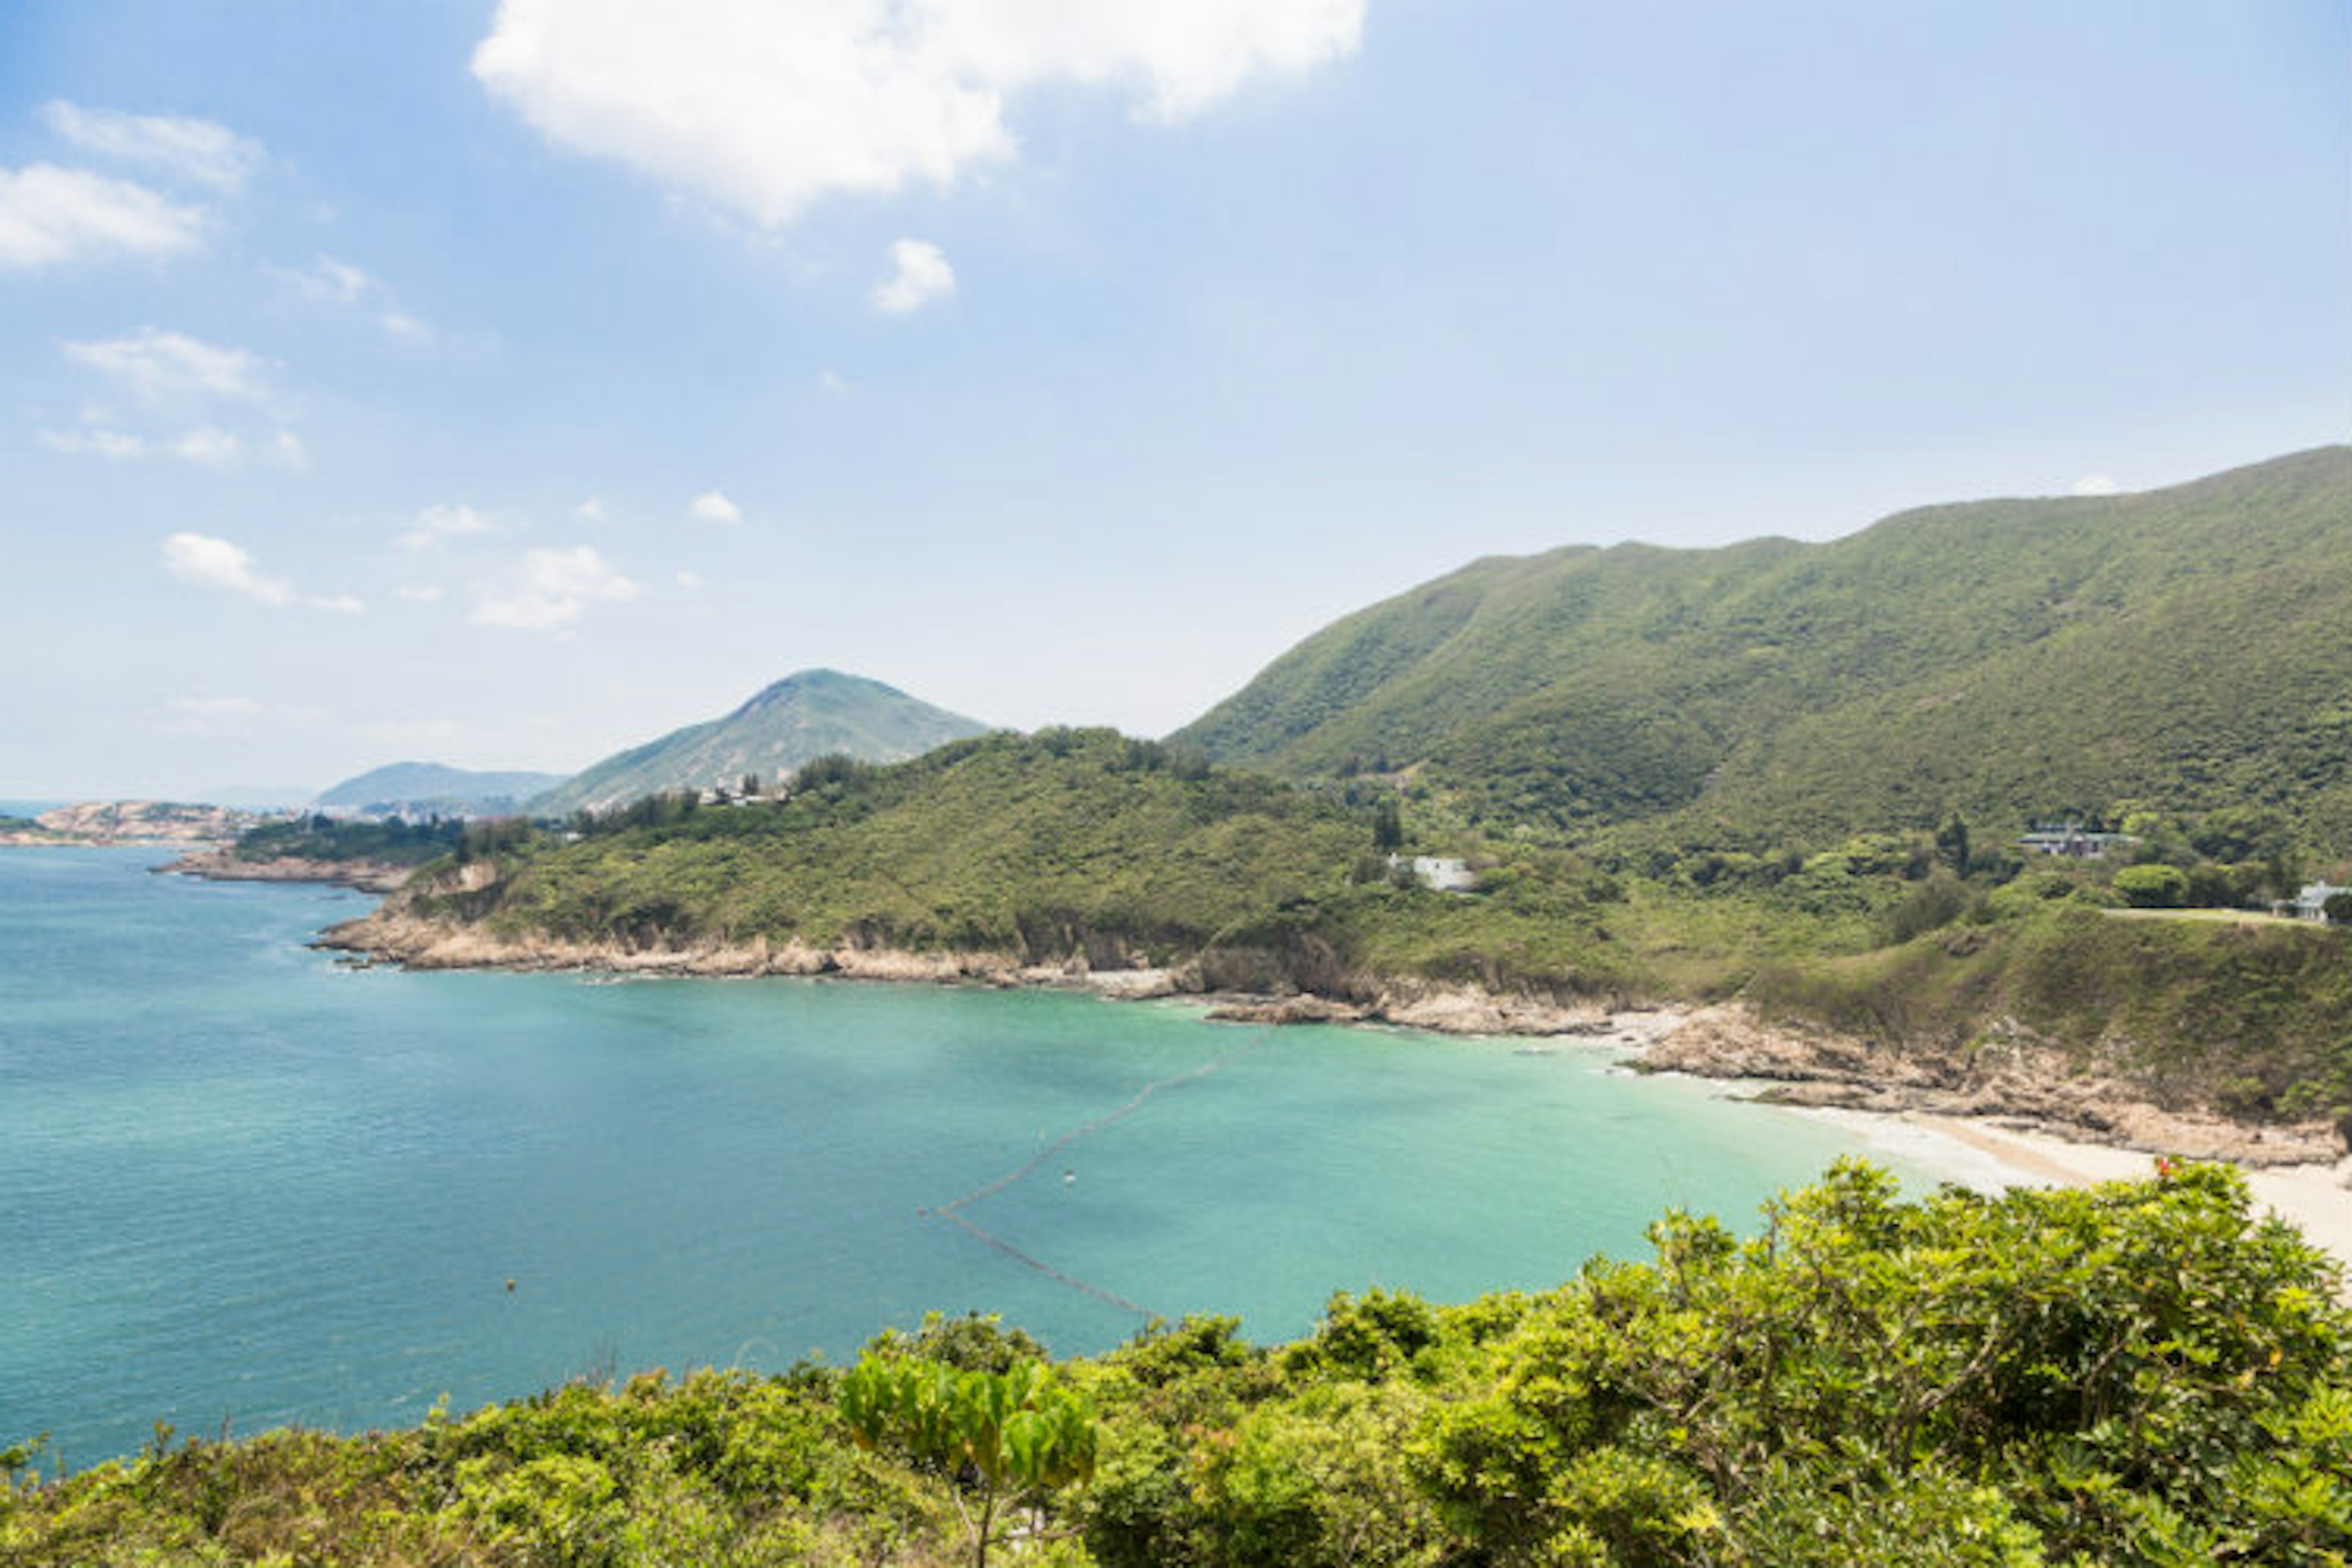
2009, 1078
107, 822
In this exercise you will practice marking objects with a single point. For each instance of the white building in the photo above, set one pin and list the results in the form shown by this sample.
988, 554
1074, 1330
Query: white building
1445, 875
2311, 904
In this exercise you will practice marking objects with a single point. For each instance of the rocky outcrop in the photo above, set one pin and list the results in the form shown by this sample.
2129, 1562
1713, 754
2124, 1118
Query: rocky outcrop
2008, 1077
100, 824
224, 866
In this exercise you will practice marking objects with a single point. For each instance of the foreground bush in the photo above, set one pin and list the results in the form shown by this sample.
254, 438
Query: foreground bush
2139, 1373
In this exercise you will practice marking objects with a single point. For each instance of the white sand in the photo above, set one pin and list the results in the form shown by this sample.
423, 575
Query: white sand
2317, 1199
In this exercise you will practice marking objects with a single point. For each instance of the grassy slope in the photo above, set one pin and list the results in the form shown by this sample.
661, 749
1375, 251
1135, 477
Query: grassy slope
2010, 659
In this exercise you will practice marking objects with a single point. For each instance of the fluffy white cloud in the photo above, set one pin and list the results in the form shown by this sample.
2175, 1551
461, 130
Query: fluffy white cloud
196, 150
765, 106
711, 506
435, 524
590, 510
2096, 484
162, 367
216, 564
552, 588
49, 214
920, 274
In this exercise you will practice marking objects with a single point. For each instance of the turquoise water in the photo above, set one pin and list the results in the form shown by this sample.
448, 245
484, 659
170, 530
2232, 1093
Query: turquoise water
242, 1184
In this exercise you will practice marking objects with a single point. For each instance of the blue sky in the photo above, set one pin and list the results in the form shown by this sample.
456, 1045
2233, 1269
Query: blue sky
504, 385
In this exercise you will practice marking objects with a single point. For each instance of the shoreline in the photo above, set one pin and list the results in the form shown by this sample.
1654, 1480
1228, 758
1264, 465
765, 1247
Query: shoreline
2024, 1122
1988, 1154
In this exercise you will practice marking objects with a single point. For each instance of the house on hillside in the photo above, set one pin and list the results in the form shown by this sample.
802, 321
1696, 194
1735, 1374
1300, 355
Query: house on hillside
2311, 904
2069, 839
1445, 875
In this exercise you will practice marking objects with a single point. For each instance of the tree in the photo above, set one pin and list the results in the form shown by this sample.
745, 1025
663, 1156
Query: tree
1387, 826
1952, 843
1016, 1433
2337, 909
2152, 887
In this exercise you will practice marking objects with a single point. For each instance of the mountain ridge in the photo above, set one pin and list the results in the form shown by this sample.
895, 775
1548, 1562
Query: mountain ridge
780, 727
1779, 689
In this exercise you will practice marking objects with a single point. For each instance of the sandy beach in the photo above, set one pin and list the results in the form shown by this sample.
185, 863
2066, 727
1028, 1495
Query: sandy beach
1988, 1156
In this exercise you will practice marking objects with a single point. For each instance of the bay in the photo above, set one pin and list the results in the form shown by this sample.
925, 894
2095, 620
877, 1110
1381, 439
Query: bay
243, 1185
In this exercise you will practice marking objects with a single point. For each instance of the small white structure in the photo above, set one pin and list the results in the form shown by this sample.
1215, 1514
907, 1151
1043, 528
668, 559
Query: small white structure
2311, 904
1445, 875
2070, 840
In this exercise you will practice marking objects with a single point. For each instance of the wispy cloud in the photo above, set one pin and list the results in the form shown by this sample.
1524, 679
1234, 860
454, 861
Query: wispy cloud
711, 506
50, 215
157, 367
919, 276
435, 524
551, 589
2096, 485
330, 281
198, 150
213, 562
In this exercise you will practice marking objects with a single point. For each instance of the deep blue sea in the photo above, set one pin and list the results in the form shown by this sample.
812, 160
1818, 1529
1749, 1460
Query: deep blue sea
244, 1185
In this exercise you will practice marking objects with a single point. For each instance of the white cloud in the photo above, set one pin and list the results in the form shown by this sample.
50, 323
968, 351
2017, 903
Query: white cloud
196, 150
710, 506
689, 581
590, 510
218, 563
205, 445
552, 588
339, 603
2096, 484
160, 366
920, 274
439, 523
96, 441
832, 383
419, 594
49, 214
213, 448
212, 715
329, 282
766, 106
401, 324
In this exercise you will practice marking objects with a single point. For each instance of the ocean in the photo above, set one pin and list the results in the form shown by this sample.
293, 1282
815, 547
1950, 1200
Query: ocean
245, 1185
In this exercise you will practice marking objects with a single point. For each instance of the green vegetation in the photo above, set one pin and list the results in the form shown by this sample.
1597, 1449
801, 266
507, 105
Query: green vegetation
329, 838
816, 714
1019, 1433
1086, 844
2013, 660
2135, 1374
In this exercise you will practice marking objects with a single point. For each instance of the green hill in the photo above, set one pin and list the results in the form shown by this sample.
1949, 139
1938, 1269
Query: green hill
1043, 846
816, 714
415, 788
2184, 649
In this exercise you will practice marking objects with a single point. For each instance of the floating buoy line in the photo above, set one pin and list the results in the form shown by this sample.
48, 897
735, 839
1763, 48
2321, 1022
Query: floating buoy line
953, 1213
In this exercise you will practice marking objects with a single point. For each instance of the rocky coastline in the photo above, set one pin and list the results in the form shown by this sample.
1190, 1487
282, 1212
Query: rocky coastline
223, 865
2022, 1086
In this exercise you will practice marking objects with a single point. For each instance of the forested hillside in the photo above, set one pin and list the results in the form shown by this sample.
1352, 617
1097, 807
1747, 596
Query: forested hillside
2184, 650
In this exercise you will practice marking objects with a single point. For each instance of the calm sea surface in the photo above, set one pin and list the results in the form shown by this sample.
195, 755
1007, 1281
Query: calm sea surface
241, 1184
